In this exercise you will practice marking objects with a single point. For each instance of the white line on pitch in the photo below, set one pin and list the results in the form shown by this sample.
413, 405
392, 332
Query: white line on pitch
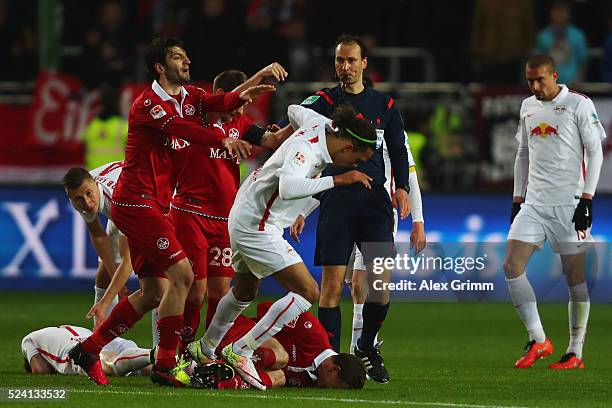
294, 397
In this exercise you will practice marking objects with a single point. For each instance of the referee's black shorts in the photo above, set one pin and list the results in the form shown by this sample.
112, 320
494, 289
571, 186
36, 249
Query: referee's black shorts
349, 215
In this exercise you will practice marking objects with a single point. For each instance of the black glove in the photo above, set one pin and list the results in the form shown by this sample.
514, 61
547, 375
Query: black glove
583, 216
516, 207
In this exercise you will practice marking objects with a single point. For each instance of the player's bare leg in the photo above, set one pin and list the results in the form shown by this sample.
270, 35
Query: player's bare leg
332, 284
217, 287
578, 311
524, 301
171, 308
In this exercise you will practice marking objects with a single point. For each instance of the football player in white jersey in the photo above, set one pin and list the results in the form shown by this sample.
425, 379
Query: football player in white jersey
269, 201
90, 194
555, 175
45, 351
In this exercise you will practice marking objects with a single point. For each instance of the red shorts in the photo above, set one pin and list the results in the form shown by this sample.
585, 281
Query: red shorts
206, 241
241, 326
151, 238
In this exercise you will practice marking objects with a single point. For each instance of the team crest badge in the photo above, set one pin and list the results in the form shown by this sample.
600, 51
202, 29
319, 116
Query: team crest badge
234, 133
559, 109
163, 243
189, 109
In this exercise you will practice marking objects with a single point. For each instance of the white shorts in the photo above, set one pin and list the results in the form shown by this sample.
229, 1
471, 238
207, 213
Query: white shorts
535, 224
263, 253
119, 345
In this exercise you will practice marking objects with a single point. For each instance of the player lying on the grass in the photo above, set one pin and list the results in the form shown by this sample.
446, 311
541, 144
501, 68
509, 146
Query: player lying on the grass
45, 351
90, 193
556, 171
299, 355
269, 201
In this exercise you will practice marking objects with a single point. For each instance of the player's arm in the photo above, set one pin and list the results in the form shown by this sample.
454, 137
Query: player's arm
102, 244
299, 116
300, 222
319, 102
418, 239
591, 134
117, 283
398, 154
274, 72
521, 169
293, 181
270, 138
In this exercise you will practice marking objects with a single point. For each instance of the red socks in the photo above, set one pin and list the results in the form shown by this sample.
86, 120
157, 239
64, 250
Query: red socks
191, 317
121, 319
169, 333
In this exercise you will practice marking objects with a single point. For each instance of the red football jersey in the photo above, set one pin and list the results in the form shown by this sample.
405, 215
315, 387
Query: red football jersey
159, 124
210, 176
307, 344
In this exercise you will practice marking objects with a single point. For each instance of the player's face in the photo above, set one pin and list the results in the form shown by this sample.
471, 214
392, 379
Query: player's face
348, 157
542, 81
176, 67
86, 198
349, 63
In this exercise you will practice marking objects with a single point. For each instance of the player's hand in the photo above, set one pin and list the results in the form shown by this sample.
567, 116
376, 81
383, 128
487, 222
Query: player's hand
417, 237
516, 207
351, 177
401, 199
275, 72
253, 92
583, 215
99, 311
273, 128
239, 148
297, 228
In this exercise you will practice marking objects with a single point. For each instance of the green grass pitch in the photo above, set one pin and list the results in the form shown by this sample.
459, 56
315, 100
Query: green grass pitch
438, 355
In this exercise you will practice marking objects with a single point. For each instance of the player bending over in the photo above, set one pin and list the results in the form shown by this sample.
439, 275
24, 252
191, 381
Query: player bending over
269, 201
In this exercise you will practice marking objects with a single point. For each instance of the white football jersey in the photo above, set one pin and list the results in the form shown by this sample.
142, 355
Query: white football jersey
106, 177
303, 154
556, 132
54, 344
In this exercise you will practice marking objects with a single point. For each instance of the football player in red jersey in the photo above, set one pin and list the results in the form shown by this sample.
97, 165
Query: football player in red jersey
206, 189
164, 119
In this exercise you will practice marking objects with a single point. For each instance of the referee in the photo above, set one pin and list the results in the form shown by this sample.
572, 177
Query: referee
354, 214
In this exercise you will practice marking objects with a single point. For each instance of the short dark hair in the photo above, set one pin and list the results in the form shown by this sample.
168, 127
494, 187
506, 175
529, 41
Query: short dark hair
350, 38
229, 80
354, 127
157, 51
539, 60
352, 371
75, 177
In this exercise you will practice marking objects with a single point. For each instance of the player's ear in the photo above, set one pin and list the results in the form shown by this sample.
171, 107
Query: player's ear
555, 75
159, 68
364, 62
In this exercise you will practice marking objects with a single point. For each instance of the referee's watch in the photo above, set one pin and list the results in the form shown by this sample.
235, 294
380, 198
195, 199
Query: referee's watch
405, 187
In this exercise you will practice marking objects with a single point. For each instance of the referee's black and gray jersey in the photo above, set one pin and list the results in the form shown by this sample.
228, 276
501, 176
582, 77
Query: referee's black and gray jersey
379, 109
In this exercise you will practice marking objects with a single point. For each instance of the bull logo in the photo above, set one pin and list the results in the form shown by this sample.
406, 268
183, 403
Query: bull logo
543, 130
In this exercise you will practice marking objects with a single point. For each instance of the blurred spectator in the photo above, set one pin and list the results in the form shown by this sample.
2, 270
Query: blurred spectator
501, 37
106, 134
565, 43
108, 48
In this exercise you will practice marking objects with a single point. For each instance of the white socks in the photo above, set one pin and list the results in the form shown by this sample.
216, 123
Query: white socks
280, 313
578, 312
228, 309
132, 359
357, 326
524, 301
154, 331
98, 293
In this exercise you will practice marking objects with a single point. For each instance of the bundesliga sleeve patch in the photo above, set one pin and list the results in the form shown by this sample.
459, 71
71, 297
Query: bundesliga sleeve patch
310, 100
300, 158
157, 112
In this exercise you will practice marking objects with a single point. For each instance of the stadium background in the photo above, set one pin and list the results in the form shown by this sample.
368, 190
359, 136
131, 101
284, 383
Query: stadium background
64, 64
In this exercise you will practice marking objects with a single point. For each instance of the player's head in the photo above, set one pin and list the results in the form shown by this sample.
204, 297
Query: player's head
560, 13
341, 371
351, 59
166, 58
355, 136
82, 190
541, 76
226, 82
